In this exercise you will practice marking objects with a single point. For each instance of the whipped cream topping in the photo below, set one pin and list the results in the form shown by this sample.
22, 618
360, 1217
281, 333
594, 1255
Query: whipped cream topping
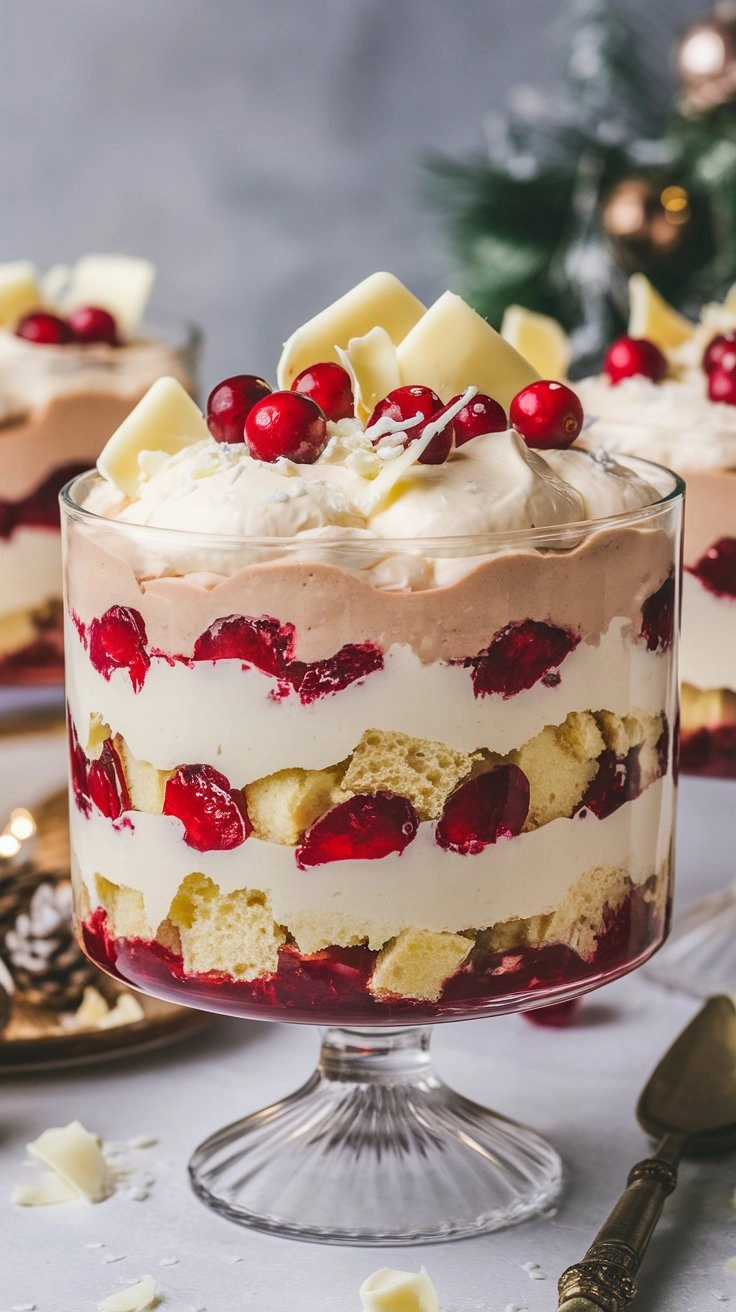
493, 483
672, 422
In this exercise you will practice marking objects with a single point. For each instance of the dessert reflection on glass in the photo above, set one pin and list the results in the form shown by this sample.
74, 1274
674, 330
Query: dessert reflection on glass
371, 696
668, 393
75, 357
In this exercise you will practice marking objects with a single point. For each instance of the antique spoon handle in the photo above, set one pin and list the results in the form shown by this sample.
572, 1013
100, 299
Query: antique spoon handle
605, 1280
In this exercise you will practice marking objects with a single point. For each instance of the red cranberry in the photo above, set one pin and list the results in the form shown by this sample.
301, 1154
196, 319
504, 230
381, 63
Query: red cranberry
720, 353
722, 386
93, 324
261, 642
214, 815
117, 641
230, 403
629, 356
519, 656
479, 416
365, 827
286, 424
658, 617
547, 414
408, 402
106, 783
330, 386
493, 805
319, 678
616, 781
77, 769
717, 568
557, 1016
44, 329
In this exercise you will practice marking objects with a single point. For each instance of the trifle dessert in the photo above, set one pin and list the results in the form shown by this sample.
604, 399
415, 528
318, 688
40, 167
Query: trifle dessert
370, 682
76, 355
668, 393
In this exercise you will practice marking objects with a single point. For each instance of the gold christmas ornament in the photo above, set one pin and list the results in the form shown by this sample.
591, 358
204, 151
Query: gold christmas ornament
705, 59
646, 222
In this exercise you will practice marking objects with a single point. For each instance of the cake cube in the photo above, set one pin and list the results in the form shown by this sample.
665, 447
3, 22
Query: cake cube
423, 771
417, 963
232, 933
283, 805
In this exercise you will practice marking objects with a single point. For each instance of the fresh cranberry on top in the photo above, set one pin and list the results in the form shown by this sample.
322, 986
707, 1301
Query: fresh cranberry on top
629, 356
547, 414
230, 403
44, 329
720, 353
92, 324
481, 415
330, 386
286, 424
408, 402
722, 386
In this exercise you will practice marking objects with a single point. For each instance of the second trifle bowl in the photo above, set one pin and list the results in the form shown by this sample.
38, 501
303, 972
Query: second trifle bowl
330, 770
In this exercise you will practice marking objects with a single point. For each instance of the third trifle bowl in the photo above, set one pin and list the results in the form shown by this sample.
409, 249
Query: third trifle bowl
369, 742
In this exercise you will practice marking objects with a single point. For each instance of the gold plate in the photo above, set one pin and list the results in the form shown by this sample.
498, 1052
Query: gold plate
162, 1023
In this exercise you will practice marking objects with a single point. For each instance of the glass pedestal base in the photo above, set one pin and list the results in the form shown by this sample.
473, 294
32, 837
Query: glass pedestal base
700, 955
375, 1149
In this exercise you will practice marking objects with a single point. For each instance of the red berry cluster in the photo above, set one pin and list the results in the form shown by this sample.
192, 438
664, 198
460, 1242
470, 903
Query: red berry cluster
719, 366
87, 326
271, 424
293, 424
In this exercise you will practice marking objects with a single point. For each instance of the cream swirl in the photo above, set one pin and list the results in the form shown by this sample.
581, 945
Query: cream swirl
492, 484
671, 422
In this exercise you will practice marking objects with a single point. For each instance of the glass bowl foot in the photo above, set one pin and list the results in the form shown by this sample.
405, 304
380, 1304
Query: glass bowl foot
700, 955
375, 1149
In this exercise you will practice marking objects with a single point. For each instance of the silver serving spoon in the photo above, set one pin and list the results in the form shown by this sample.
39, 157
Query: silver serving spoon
689, 1105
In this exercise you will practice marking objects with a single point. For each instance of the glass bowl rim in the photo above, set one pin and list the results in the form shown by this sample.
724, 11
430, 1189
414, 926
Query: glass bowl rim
564, 536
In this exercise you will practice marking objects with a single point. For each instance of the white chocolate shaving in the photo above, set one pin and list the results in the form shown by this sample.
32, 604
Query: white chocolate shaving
388, 1290
136, 1298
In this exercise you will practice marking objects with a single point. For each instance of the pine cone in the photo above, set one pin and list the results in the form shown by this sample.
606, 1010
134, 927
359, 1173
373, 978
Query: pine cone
48, 968
16, 889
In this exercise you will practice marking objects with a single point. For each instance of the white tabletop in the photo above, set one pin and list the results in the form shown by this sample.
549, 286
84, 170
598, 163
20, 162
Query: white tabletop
577, 1086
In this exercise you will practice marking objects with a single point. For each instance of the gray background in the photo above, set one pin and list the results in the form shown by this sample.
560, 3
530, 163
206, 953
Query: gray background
265, 153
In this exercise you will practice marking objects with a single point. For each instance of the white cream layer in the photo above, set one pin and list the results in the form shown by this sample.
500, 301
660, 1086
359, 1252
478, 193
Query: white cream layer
422, 888
30, 569
708, 642
223, 715
672, 422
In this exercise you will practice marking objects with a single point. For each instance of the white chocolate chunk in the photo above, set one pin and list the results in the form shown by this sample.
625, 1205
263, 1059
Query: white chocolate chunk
136, 1298
373, 367
19, 291
49, 1188
92, 1009
388, 1290
539, 338
651, 316
127, 1011
75, 1155
120, 284
452, 347
380, 301
165, 419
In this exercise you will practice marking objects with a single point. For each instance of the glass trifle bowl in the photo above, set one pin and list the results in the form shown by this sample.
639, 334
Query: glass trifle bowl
74, 360
330, 769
